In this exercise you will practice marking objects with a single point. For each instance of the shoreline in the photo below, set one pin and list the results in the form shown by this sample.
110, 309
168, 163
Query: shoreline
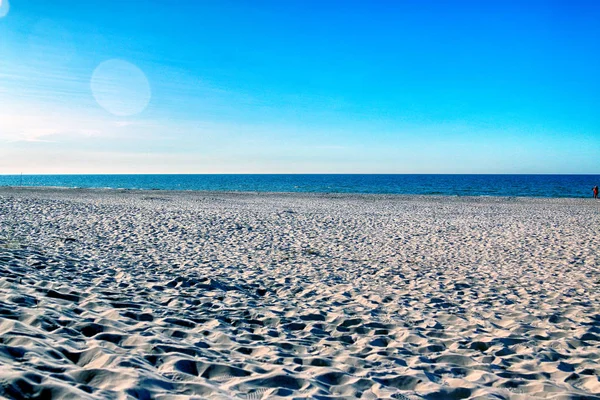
63, 189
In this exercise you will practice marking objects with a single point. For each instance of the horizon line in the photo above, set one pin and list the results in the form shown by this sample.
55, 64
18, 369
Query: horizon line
293, 173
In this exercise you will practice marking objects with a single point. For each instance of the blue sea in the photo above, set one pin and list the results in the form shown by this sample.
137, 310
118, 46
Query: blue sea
447, 185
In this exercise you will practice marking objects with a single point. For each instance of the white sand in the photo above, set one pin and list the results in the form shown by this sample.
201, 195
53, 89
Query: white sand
165, 295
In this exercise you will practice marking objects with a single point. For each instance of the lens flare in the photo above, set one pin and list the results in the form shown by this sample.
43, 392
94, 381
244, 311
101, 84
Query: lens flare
4, 7
120, 87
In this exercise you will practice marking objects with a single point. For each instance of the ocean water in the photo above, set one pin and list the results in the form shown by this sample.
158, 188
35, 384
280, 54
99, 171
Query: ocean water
447, 185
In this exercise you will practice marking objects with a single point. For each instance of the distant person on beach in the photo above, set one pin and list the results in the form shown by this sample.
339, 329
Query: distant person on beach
595, 190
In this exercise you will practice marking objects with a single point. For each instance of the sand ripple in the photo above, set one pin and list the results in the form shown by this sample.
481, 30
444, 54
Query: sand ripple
122, 294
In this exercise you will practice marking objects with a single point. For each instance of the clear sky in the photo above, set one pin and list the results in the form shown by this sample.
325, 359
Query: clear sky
182, 86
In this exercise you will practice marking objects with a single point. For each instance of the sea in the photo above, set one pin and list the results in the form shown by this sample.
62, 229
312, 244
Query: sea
574, 186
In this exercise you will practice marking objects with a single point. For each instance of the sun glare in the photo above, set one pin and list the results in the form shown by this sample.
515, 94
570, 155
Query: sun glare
4, 7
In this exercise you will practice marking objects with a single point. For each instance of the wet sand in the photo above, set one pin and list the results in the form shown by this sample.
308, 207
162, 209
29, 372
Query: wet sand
114, 294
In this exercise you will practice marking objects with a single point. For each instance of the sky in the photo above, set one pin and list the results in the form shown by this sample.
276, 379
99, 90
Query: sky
182, 86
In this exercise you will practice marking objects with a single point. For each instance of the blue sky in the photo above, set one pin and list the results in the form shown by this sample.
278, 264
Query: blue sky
310, 86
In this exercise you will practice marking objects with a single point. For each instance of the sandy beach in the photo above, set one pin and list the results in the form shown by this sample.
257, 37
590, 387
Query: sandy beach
121, 294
